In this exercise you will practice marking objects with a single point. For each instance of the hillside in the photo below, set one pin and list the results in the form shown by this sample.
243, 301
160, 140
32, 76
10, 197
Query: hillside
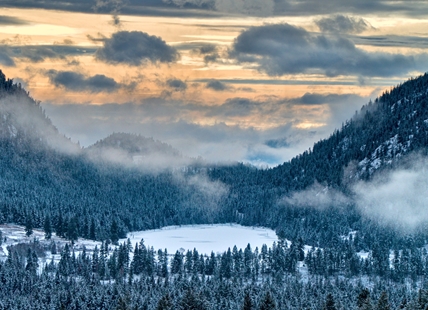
326, 198
136, 151
45, 175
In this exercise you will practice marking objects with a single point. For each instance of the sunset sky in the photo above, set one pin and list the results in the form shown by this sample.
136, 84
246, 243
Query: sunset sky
256, 81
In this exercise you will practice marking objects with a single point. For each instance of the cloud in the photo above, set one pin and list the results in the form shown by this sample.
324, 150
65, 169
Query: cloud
210, 52
205, 4
396, 198
114, 7
280, 49
39, 53
392, 40
79, 82
315, 98
342, 24
217, 85
136, 48
317, 196
216, 8
241, 107
10, 20
177, 84
5, 58
194, 129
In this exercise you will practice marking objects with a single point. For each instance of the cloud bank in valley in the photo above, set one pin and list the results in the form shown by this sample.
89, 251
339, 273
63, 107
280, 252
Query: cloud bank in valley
224, 132
397, 198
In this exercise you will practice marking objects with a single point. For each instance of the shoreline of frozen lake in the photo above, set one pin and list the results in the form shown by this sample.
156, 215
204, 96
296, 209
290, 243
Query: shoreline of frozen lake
205, 238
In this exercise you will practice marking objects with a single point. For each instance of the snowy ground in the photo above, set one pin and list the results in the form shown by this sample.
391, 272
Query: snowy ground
205, 238
15, 234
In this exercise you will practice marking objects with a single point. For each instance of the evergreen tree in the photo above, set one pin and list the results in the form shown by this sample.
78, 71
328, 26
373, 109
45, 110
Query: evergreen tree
191, 301
28, 226
47, 227
165, 303
383, 303
248, 303
267, 303
329, 303
363, 300
114, 232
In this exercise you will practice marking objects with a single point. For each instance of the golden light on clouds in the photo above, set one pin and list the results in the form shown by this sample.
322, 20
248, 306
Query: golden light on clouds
245, 74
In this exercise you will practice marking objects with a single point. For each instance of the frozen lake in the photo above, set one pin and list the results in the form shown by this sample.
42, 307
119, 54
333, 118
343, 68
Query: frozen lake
205, 238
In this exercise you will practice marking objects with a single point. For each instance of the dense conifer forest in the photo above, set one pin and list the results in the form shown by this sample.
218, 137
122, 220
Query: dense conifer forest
50, 183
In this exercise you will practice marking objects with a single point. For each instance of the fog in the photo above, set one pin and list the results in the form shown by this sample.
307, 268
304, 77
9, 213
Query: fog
393, 198
397, 198
318, 197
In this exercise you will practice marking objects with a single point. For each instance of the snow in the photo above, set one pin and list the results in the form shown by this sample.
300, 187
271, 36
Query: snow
15, 234
205, 238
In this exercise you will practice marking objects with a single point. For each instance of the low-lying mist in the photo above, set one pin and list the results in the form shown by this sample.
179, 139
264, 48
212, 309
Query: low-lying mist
397, 198
393, 198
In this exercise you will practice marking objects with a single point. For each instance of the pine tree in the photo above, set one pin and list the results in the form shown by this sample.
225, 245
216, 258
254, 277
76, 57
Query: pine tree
165, 303
114, 232
248, 303
329, 303
383, 303
363, 300
29, 226
267, 303
191, 301
92, 234
47, 227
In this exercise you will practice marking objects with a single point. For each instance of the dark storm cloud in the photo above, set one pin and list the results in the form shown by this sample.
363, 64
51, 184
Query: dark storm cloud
280, 49
217, 85
39, 53
79, 82
10, 20
177, 84
342, 24
136, 48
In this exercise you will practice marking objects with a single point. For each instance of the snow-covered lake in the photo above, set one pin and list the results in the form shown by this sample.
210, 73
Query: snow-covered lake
205, 238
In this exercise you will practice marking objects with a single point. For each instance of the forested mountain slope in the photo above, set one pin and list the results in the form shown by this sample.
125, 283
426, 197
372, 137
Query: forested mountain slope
391, 127
47, 181
46, 177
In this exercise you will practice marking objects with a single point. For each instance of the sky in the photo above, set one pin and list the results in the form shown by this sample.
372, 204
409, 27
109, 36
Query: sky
255, 81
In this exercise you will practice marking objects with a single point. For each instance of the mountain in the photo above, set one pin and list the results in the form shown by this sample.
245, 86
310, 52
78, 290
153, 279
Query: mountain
378, 136
24, 124
136, 151
335, 237
44, 175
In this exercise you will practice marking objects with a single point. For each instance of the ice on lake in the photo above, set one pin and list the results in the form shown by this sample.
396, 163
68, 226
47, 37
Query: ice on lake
205, 238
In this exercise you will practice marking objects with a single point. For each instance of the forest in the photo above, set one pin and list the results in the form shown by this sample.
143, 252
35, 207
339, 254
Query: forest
48, 182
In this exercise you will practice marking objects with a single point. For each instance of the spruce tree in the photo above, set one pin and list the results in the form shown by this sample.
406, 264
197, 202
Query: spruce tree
329, 303
165, 303
383, 303
29, 226
267, 303
363, 300
248, 303
47, 227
